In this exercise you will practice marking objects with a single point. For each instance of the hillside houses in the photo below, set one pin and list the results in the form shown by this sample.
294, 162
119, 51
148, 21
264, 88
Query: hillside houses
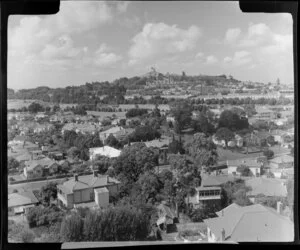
84, 128
254, 165
117, 131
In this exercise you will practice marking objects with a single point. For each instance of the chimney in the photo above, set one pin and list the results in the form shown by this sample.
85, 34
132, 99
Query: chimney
107, 179
76, 177
222, 212
279, 207
223, 234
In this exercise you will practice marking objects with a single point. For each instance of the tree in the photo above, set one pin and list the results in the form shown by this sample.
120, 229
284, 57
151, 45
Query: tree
48, 192
134, 161
175, 147
72, 228
182, 113
232, 121
271, 140
112, 141
144, 133
269, 153
135, 112
56, 108
202, 124
150, 186
224, 134
202, 149
35, 107
12, 165
73, 152
244, 170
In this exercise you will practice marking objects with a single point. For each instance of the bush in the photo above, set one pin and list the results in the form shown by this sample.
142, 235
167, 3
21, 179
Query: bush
27, 236
38, 216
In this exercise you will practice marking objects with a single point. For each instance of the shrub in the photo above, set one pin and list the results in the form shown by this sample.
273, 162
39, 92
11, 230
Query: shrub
27, 236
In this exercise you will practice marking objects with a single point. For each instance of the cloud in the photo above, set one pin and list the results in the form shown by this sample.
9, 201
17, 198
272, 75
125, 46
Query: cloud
105, 58
211, 59
232, 35
122, 6
199, 55
239, 58
158, 40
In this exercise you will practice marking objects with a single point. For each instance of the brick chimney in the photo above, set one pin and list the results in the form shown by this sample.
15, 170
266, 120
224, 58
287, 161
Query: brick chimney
107, 179
76, 177
279, 207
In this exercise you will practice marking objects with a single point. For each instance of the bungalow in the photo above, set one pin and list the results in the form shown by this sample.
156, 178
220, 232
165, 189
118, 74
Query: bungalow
21, 202
40, 167
19, 139
86, 189
283, 161
254, 223
253, 164
104, 151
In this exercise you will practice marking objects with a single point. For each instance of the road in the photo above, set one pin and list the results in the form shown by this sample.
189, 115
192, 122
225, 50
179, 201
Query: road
32, 185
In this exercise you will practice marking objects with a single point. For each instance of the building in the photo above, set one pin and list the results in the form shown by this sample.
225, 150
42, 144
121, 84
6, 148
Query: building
254, 223
267, 187
118, 132
19, 203
209, 191
87, 189
40, 167
167, 218
104, 151
283, 161
253, 164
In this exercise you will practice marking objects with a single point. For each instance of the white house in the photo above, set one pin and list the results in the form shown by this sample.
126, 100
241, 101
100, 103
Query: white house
253, 164
104, 151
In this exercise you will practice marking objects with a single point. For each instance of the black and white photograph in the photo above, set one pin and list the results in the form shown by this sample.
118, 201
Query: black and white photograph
152, 122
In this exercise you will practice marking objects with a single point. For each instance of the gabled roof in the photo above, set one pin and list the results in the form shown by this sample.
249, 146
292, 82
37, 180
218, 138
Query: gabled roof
20, 199
87, 181
42, 162
112, 130
218, 180
282, 159
252, 223
249, 162
20, 138
266, 186
231, 209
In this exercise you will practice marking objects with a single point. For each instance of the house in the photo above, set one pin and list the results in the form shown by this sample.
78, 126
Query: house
19, 203
266, 187
19, 139
253, 164
283, 161
209, 191
104, 151
114, 130
254, 223
265, 114
40, 167
85, 189
167, 218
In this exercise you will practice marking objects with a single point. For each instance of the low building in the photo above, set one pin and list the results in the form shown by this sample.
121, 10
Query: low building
283, 161
253, 164
85, 189
267, 187
104, 151
40, 167
19, 203
254, 223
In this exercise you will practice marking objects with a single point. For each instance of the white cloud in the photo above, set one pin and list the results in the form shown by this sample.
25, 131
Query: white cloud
211, 59
104, 57
158, 40
232, 35
199, 55
122, 6
239, 58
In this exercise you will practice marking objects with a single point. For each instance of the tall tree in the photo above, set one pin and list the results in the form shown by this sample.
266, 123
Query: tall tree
224, 134
203, 151
182, 113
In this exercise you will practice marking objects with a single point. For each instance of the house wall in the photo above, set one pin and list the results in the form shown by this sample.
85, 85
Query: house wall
113, 189
83, 195
255, 170
232, 169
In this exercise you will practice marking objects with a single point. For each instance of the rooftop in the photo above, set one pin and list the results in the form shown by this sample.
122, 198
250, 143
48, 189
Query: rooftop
266, 186
87, 181
20, 199
252, 223
249, 162
282, 159
105, 151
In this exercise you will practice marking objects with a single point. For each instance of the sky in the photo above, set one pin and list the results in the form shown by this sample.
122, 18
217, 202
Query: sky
90, 41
